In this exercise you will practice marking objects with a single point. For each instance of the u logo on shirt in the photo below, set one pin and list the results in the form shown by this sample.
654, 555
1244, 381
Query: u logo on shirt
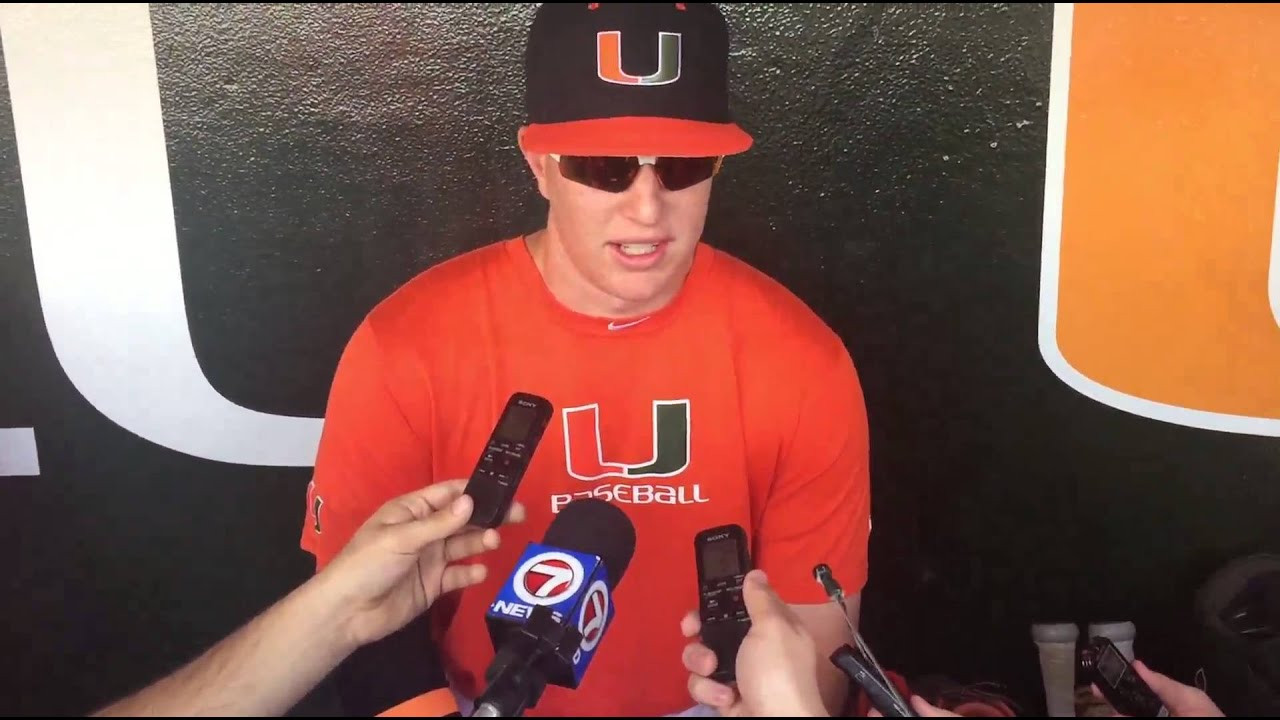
584, 454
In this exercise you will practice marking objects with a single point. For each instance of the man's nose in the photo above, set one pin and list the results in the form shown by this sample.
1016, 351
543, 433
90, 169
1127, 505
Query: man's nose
643, 201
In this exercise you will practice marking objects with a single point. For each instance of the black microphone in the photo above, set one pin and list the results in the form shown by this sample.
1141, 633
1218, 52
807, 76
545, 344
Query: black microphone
550, 615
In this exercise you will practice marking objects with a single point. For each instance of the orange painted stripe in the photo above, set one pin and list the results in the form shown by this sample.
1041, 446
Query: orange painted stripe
1173, 142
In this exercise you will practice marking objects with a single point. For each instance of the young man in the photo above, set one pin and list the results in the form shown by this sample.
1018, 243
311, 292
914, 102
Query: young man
690, 389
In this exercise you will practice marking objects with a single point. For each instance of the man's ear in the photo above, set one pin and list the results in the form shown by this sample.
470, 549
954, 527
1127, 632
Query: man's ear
537, 164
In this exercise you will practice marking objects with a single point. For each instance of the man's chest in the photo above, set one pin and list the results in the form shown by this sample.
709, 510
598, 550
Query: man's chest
660, 434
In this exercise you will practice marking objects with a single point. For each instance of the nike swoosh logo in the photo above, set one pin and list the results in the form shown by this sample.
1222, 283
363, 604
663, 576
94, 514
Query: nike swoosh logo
615, 325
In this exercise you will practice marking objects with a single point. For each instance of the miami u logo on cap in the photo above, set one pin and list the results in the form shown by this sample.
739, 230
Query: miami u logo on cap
609, 60
1160, 287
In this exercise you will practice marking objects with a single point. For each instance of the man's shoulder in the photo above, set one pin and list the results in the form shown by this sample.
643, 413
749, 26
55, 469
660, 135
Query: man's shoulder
438, 296
767, 316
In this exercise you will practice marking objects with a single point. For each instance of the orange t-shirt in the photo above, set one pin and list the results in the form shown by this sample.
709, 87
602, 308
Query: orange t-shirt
733, 404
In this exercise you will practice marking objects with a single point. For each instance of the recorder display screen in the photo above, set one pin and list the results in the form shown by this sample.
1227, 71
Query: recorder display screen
720, 558
515, 425
1111, 666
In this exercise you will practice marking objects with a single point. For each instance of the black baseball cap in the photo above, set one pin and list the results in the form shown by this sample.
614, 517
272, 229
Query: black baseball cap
629, 79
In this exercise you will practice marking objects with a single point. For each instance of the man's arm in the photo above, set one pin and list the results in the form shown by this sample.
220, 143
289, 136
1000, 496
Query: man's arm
264, 668
815, 509
824, 623
370, 449
401, 560
819, 509
375, 445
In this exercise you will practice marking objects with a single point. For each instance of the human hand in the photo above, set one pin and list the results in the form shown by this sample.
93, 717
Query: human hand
777, 661
401, 560
1181, 700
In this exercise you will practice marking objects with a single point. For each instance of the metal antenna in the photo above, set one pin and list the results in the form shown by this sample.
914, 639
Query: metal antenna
822, 573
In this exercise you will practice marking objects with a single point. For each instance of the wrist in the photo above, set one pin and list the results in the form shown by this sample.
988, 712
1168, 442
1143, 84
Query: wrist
799, 709
798, 704
816, 709
332, 612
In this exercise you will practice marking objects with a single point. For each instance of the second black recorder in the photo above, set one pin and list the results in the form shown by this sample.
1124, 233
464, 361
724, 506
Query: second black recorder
506, 457
723, 561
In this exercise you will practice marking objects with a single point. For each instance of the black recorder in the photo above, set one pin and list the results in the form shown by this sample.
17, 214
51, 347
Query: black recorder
723, 562
497, 474
1105, 666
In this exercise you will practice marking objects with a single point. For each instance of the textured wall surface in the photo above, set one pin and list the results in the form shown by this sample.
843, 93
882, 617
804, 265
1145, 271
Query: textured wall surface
319, 157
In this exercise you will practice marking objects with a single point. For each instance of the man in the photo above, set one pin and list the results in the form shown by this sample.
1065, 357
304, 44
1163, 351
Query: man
690, 389
401, 560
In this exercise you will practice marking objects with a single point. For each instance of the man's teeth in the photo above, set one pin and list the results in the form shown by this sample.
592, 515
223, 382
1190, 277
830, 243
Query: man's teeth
635, 249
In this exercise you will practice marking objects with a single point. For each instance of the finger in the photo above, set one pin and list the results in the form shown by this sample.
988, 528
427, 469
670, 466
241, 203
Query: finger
457, 577
410, 537
690, 624
924, 709
1097, 694
440, 495
1170, 691
760, 599
709, 692
516, 514
422, 503
698, 659
473, 542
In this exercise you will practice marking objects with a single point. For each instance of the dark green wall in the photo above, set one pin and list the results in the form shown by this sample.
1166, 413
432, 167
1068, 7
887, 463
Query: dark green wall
320, 157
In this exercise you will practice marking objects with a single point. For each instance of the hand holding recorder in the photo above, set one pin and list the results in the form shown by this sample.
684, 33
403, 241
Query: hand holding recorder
1135, 690
405, 556
398, 563
775, 665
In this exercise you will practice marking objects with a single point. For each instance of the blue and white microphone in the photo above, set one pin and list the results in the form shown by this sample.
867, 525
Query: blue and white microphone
550, 615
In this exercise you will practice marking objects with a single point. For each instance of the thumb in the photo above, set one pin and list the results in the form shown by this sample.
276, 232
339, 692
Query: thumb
758, 596
1171, 692
412, 536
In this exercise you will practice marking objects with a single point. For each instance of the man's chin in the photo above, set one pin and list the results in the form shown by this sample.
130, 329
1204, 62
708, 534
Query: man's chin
647, 295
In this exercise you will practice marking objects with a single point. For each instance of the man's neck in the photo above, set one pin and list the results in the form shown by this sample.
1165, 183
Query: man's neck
574, 291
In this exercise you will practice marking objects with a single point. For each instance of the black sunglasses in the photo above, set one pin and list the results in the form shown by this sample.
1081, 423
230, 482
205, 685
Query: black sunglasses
615, 174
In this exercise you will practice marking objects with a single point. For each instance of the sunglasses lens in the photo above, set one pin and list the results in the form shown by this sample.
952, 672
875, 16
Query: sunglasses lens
611, 174
615, 174
678, 173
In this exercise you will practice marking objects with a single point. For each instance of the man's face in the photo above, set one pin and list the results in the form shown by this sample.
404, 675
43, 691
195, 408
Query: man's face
619, 254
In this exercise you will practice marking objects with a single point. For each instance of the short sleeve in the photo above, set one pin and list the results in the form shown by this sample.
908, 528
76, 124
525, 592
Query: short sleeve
819, 505
369, 451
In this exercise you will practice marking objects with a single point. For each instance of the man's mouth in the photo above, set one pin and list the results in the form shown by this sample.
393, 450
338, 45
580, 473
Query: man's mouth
635, 249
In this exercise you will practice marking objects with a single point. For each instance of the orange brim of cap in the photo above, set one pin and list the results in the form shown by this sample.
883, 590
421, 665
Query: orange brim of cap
636, 136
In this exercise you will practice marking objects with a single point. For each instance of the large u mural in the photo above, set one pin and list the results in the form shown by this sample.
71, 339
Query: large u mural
1045, 232
1161, 275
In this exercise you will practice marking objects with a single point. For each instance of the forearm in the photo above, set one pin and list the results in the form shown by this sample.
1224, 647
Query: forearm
264, 668
829, 631
834, 686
